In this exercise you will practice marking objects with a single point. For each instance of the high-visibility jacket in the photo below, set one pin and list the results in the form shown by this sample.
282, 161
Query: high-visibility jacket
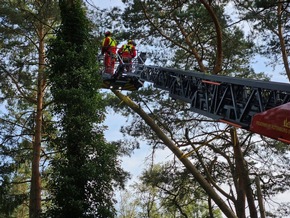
127, 50
109, 45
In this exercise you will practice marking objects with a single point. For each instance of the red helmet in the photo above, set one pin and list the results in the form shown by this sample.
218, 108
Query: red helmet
108, 33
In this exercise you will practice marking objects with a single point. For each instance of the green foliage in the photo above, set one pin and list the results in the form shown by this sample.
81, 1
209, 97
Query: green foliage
179, 193
184, 34
166, 190
265, 3
20, 23
85, 170
15, 176
269, 20
10, 200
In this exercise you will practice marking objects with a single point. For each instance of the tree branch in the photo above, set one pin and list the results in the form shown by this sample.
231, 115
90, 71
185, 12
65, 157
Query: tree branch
197, 175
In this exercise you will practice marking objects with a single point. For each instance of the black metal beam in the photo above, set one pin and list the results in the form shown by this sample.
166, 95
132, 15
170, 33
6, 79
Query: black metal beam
235, 100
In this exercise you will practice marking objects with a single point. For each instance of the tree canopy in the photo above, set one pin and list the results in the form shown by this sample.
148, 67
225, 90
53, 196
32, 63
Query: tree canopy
55, 157
211, 147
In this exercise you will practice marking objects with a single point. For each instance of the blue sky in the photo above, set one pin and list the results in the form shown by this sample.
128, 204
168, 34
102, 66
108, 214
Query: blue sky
137, 162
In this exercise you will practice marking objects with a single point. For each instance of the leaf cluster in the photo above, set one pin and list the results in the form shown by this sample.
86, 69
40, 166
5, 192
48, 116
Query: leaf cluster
85, 170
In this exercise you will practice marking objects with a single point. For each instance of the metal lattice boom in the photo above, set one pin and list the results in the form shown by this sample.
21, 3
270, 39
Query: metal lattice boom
229, 99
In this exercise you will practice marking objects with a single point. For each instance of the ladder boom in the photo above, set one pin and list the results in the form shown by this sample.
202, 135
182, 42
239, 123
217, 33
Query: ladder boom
228, 99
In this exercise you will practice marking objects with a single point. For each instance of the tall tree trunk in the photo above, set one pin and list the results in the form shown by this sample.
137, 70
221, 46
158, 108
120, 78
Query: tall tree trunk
219, 52
282, 40
240, 203
35, 188
260, 198
244, 186
178, 153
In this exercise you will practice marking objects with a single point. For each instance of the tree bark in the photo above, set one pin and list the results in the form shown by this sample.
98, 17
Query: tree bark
178, 153
244, 186
240, 203
260, 198
282, 40
35, 187
219, 38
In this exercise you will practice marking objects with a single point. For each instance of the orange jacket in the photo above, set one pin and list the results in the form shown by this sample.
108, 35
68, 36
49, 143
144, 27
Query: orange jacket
128, 51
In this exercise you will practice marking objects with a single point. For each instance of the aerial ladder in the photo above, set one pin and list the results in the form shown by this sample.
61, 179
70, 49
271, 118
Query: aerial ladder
258, 106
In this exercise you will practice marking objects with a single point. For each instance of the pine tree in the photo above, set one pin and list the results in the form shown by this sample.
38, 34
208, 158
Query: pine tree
25, 26
270, 21
213, 150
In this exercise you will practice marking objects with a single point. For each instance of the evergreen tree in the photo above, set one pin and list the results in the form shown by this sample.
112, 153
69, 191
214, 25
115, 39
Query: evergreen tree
167, 190
269, 20
85, 170
190, 35
216, 155
25, 27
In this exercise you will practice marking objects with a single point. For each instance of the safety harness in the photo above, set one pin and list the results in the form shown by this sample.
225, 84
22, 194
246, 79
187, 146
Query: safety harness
127, 48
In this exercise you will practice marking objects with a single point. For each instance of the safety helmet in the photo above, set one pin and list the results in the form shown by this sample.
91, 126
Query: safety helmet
108, 33
130, 41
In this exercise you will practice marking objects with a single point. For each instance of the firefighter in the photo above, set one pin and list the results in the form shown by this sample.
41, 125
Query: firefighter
109, 48
127, 52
